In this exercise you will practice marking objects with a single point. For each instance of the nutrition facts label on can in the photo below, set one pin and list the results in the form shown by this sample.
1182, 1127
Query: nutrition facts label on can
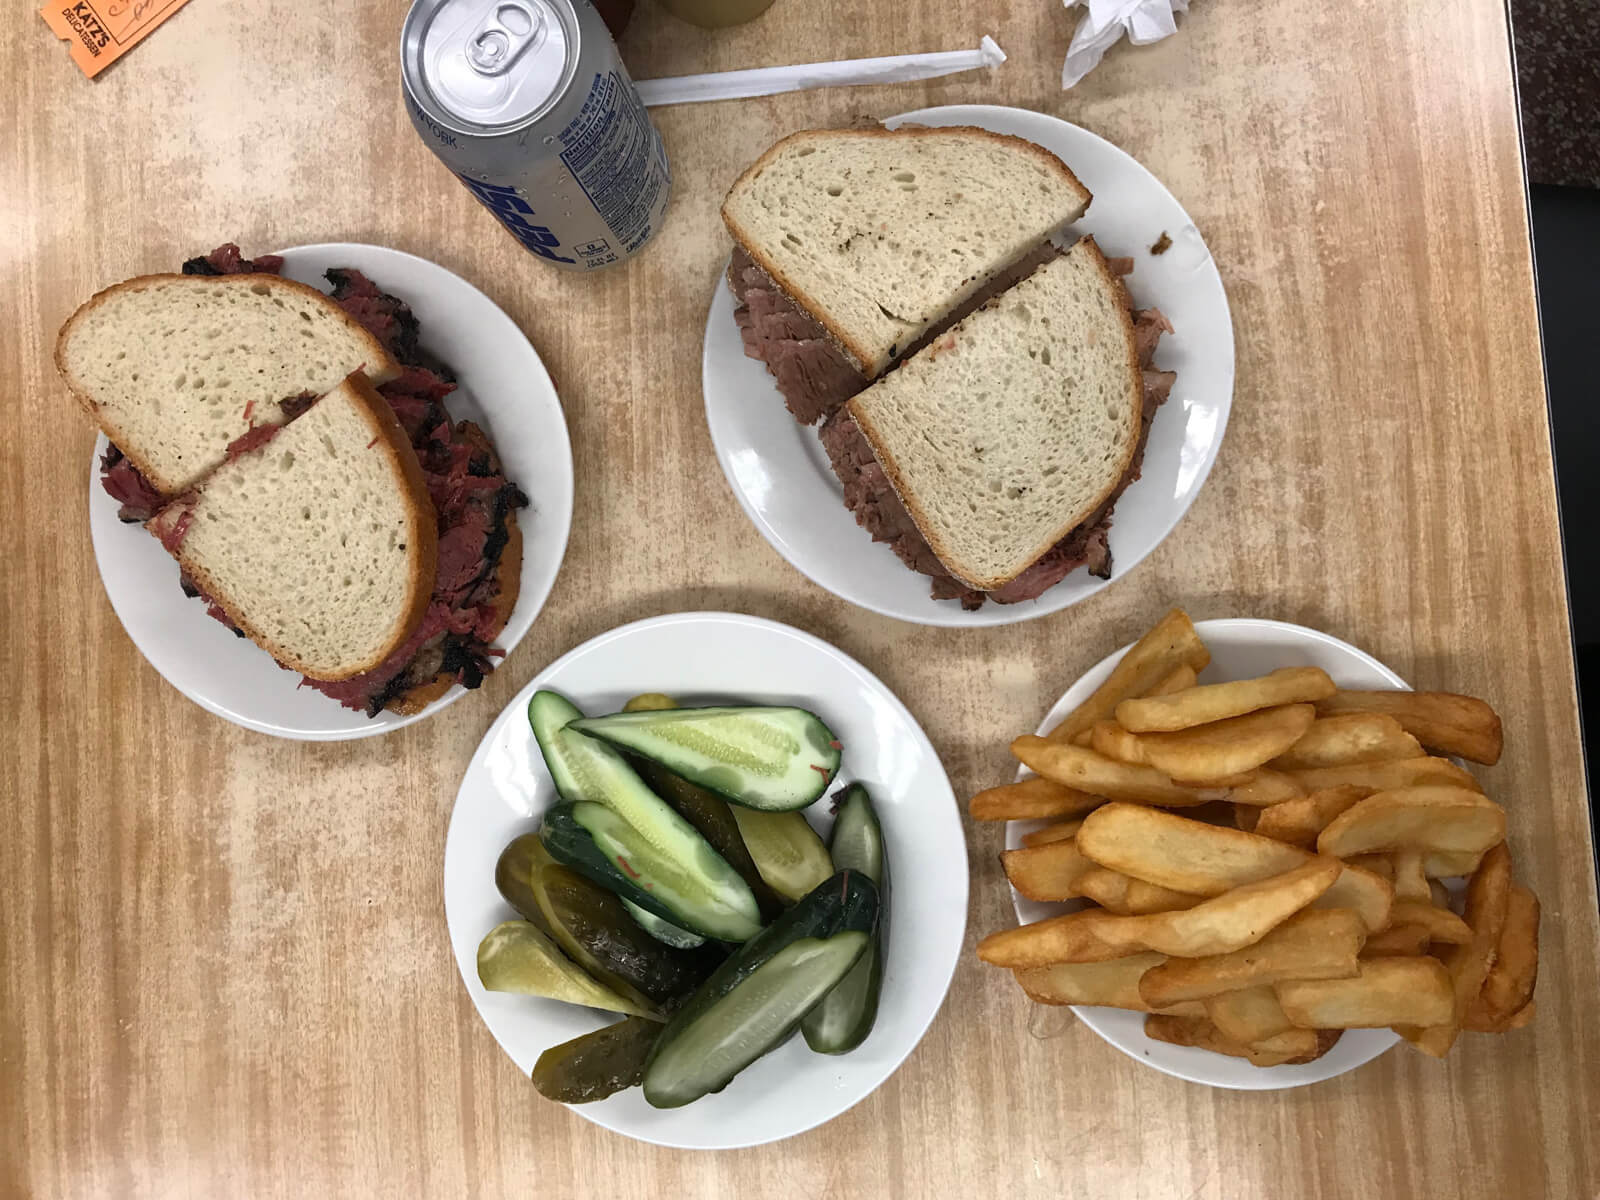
613, 151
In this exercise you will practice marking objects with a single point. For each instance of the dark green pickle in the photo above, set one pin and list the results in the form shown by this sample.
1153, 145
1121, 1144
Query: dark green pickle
709, 813
520, 862
598, 1064
594, 929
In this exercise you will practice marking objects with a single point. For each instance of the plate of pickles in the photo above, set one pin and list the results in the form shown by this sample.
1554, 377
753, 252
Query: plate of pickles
706, 881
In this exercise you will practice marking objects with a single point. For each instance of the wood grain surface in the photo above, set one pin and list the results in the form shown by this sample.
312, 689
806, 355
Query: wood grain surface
224, 969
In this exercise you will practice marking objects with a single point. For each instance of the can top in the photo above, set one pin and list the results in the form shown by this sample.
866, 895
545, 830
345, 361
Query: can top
487, 64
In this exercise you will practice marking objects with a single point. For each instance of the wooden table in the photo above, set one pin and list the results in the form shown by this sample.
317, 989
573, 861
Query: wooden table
225, 970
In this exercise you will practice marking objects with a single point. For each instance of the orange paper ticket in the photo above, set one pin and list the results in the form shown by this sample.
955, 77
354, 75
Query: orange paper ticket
101, 31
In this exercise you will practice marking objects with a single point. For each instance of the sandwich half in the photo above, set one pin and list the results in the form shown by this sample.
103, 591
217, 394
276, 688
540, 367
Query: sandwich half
175, 368
855, 247
320, 542
991, 460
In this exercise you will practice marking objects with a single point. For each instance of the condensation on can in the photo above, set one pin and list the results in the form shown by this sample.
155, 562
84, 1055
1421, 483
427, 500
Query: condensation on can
528, 103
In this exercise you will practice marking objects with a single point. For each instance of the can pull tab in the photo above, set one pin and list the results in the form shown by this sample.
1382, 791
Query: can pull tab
506, 32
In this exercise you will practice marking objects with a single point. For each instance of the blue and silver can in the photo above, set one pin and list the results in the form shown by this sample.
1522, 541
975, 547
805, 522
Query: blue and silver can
528, 103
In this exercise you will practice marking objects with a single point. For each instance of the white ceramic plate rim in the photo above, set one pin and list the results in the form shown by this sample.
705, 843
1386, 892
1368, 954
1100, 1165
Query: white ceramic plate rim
938, 944
1120, 1029
730, 382
544, 471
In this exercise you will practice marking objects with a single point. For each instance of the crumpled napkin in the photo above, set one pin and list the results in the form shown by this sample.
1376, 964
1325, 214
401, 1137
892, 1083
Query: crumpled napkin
1144, 21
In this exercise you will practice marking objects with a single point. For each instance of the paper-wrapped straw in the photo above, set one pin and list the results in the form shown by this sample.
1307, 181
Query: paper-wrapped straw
769, 81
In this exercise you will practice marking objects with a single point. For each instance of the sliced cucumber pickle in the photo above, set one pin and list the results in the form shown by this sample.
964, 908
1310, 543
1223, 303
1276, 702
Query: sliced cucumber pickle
777, 759
706, 811
845, 1017
516, 957
754, 1001
588, 923
548, 714
785, 849
649, 702
697, 891
651, 855
598, 1064
713, 817
662, 930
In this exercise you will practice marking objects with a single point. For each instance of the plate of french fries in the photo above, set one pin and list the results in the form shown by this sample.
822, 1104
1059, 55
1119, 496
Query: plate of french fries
1248, 855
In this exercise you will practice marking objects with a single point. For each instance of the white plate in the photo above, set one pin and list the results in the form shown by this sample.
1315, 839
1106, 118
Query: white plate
781, 475
503, 387
1240, 649
711, 657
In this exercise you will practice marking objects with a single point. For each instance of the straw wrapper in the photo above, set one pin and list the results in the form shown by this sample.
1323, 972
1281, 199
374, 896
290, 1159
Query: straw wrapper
769, 81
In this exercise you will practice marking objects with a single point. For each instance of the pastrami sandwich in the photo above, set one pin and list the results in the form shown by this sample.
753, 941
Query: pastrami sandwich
293, 451
984, 397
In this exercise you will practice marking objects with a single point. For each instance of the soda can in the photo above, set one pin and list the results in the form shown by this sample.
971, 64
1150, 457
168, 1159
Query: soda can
528, 103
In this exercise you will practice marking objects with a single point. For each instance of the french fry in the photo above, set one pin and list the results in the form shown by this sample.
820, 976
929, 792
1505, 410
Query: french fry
1198, 1032
1348, 738
1369, 896
1218, 701
1440, 924
1112, 740
1031, 799
1311, 944
1248, 1015
1410, 880
1442, 721
1246, 817
1083, 769
1180, 678
1416, 818
1070, 938
1290, 1046
1218, 812
1228, 922
1178, 853
1386, 991
1265, 788
1385, 776
1171, 644
1059, 832
1048, 872
1487, 903
1406, 941
1231, 921
1438, 893
1378, 864
1183, 855
1293, 1041
1226, 782
1436, 865
1116, 892
1110, 984
1450, 864
1298, 821
1231, 746
1508, 988
1519, 1020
